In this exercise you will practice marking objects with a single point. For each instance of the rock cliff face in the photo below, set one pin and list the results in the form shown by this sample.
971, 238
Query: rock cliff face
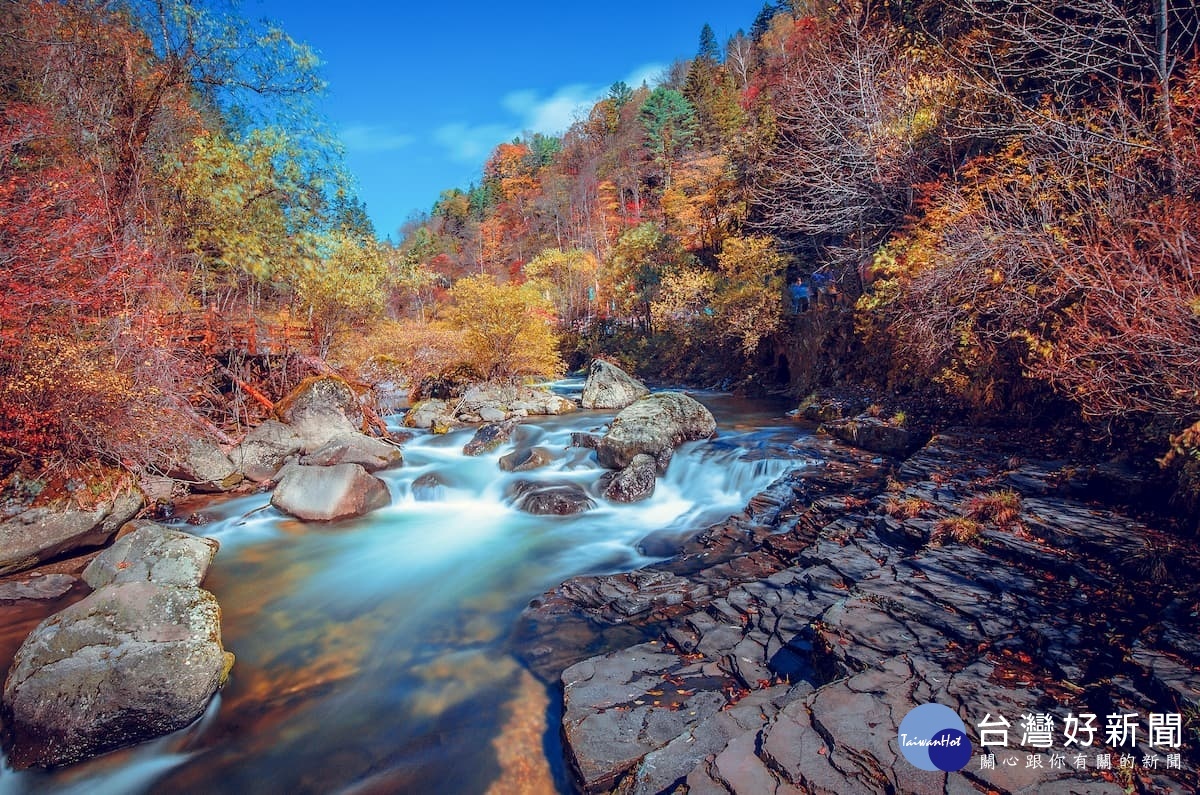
781, 650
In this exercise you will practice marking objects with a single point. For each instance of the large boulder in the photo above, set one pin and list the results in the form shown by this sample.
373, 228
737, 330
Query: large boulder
153, 553
355, 448
40, 534
320, 409
489, 437
655, 426
326, 494
205, 468
633, 483
129, 662
610, 387
265, 450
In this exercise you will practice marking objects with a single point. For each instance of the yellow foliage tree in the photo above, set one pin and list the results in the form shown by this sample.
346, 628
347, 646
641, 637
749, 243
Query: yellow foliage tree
749, 302
566, 278
507, 330
702, 204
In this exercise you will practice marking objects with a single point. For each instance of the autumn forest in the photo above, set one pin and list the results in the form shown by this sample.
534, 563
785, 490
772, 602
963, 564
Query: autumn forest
991, 206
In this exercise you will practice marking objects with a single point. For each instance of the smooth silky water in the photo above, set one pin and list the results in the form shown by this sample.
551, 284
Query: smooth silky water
373, 655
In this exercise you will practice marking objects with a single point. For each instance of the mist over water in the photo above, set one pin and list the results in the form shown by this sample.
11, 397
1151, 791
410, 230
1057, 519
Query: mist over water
372, 655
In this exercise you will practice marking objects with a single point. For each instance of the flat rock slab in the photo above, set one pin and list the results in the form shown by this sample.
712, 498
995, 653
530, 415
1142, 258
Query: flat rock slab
153, 553
47, 586
839, 607
129, 662
40, 534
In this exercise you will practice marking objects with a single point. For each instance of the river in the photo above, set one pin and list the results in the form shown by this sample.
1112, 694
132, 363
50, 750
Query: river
373, 655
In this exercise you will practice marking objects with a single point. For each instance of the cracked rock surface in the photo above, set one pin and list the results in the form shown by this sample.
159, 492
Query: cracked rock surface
779, 652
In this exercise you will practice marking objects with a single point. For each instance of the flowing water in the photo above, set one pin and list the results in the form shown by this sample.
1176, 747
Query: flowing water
372, 655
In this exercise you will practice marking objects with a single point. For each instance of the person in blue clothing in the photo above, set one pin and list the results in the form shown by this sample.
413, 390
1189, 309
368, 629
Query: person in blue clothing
799, 292
821, 287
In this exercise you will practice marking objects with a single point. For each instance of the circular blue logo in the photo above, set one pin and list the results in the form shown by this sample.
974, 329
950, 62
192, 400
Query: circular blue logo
933, 737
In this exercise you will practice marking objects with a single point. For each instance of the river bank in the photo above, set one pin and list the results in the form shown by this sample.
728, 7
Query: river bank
781, 650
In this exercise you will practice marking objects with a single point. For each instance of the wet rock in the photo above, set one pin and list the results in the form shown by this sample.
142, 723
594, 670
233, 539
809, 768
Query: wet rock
525, 459
264, 450
153, 553
129, 662
205, 468
551, 499
633, 483
355, 448
428, 488
822, 617
611, 720
320, 409
610, 387
326, 494
40, 534
654, 426
588, 441
489, 437
873, 434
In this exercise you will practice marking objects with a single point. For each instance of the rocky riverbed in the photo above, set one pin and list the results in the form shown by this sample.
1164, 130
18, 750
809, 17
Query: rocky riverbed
781, 649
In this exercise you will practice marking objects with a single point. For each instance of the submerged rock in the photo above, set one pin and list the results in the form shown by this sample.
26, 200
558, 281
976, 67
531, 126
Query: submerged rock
489, 437
355, 448
610, 387
265, 449
551, 499
40, 534
428, 488
326, 494
654, 426
633, 483
129, 662
526, 459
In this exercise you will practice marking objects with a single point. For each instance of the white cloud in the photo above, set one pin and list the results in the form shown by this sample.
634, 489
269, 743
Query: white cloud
472, 143
530, 111
650, 74
373, 138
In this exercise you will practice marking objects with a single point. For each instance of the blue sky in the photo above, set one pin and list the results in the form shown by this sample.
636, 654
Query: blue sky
420, 93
